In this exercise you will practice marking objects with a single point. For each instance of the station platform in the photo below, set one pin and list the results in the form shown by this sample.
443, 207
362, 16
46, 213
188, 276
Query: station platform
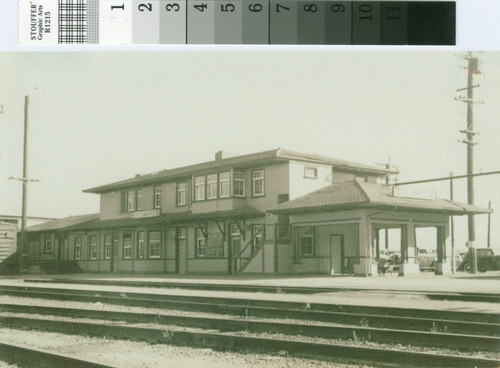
416, 291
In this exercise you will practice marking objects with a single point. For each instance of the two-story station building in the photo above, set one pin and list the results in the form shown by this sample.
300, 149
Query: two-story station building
232, 215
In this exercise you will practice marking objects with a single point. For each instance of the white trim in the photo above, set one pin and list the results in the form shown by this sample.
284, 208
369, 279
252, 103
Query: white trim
255, 179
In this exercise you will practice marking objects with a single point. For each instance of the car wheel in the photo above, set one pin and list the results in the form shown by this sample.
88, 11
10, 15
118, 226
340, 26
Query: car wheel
467, 267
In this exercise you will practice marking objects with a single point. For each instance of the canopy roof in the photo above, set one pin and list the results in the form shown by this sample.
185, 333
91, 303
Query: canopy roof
238, 213
64, 223
353, 195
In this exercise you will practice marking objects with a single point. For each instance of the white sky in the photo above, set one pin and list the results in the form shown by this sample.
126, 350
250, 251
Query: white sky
100, 117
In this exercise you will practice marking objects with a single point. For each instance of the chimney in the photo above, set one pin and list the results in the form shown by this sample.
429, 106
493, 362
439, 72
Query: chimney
222, 155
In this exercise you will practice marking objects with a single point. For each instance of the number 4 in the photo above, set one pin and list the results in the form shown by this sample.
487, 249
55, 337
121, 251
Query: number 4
201, 7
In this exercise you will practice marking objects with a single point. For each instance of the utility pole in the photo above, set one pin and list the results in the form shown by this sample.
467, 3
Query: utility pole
472, 68
489, 224
23, 246
452, 229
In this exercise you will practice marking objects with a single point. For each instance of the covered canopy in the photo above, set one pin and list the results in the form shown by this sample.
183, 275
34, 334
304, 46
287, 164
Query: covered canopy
354, 195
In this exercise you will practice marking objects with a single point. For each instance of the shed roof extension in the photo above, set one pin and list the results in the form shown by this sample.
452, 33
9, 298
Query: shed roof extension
64, 223
254, 159
352, 195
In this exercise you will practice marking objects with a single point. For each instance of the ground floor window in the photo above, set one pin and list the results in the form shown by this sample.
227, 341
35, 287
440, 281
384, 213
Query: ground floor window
78, 247
154, 244
48, 244
307, 241
201, 244
107, 246
93, 247
235, 239
127, 245
140, 244
182, 232
258, 233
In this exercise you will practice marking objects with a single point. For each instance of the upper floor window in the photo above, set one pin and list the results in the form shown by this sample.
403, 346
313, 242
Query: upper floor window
181, 194
140, 244
199, 188
131, 200
138, 199
307, 242
239, 184
48, 244
310, 172
154, 244
157, 197
93, 247
127, 245
361, 179
78, 247
258, 182
224, 183
107, 246
212, 186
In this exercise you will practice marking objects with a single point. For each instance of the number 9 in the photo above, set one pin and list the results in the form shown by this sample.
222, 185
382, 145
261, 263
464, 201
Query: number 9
336, 8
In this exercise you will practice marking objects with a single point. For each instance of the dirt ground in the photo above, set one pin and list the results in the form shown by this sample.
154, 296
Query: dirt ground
128, 354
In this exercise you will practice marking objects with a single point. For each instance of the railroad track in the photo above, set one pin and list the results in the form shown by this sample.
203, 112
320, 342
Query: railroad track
379, 325
458, 296
224, 324
26, 357
234, 342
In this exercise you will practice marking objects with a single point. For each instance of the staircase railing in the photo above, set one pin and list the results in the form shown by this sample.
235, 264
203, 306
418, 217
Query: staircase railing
237, 258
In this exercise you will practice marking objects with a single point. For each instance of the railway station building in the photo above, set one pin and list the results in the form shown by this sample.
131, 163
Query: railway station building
276, 211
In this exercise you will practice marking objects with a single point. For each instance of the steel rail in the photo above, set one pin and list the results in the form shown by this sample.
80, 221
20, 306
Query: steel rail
356, 319
219, 303
436, 295
234, 342
28, 357
379, 335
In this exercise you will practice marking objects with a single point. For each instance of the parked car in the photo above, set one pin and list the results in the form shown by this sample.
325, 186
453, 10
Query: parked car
486, 260
426, 258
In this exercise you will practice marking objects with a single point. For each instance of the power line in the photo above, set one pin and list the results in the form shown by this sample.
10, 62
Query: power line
428, 153
447, 178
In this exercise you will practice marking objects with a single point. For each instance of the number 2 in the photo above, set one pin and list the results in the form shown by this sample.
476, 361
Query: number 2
143, 7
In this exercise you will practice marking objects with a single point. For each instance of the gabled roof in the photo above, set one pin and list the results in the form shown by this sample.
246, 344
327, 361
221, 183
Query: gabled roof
241, 212
64, 223
259, 158
351, 195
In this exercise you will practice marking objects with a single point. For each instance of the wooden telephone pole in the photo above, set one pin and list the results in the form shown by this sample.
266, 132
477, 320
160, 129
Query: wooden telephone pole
23, 246
472, 68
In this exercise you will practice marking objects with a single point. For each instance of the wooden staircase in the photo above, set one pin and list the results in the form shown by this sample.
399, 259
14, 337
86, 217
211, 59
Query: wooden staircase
245, 261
